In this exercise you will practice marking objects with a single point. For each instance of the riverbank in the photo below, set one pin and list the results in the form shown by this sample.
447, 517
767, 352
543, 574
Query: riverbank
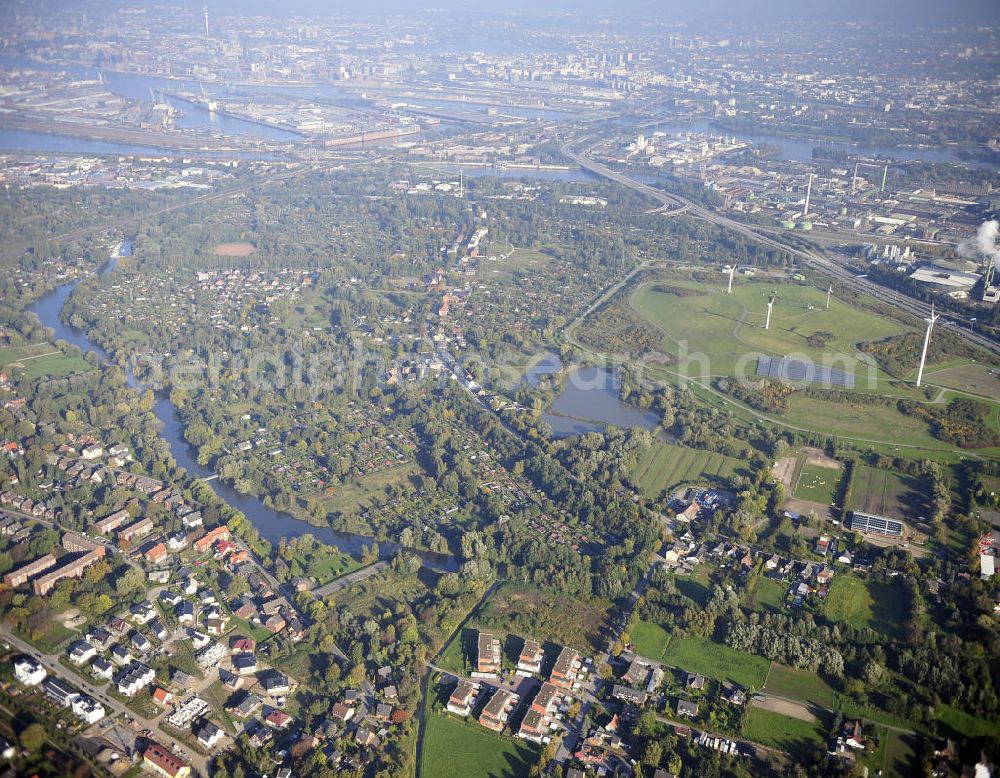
143, 138
272, 525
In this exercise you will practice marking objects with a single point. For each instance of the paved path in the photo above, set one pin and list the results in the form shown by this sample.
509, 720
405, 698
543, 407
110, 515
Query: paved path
350, 579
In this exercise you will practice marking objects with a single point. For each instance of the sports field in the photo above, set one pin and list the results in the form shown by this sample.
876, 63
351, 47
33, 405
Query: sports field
817, 484
701, 655
663, 467
726, 327
463, 749
886, 493
860, 603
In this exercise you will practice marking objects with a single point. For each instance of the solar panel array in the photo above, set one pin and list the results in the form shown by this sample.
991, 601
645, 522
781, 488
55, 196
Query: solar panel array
803, 371
867, 522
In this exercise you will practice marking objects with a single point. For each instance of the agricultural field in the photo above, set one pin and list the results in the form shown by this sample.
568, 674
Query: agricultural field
701, 655
664, 467
818, 484
886, 493
650, 640
458, 749
796, 684
726, 328
795, 736
880, 606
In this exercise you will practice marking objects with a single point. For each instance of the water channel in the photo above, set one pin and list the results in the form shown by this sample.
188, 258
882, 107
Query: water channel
272, 524
134, 86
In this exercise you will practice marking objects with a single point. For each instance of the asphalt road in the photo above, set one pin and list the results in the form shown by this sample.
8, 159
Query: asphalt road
673, 205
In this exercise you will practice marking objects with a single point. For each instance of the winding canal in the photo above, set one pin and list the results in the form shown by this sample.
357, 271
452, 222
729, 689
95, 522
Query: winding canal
272, 524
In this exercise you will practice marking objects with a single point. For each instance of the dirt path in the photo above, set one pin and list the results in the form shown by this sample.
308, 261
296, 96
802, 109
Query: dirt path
815, 456
795, 710
784, 471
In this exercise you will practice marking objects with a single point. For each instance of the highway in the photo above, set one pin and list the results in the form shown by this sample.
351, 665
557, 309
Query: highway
675, 205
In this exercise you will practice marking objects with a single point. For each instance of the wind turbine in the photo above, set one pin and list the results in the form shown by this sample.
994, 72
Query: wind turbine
731, 269
770, 304
828, 293
927, 339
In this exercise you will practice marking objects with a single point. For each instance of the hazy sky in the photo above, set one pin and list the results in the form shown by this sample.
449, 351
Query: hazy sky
704, 11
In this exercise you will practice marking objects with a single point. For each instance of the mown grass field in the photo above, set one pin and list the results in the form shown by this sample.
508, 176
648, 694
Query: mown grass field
458, 749
795, 736
351, 496
860, 422
886, 493
770, 595
817, 484
650, 639
802, 685
966, 724
664, 467
861, 603
701, 655
327, 567
900, 753
726, 327
43, 360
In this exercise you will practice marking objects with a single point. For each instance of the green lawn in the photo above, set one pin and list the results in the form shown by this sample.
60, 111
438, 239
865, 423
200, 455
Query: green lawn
250, 630
802, 685
860, 422
966, 724
53, 637
327, 566
881, 606
900, 753
727, 327
770, 594
664, 467
463, 749
695, 586
797, 737
701, 655
41, 360
818, 484
454, 656
650, 639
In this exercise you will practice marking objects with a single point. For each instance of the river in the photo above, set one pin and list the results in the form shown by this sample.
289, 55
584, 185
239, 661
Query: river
272, 525
800, 149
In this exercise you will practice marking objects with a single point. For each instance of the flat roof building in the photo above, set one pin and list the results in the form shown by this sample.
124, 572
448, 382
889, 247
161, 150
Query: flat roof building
487, 653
